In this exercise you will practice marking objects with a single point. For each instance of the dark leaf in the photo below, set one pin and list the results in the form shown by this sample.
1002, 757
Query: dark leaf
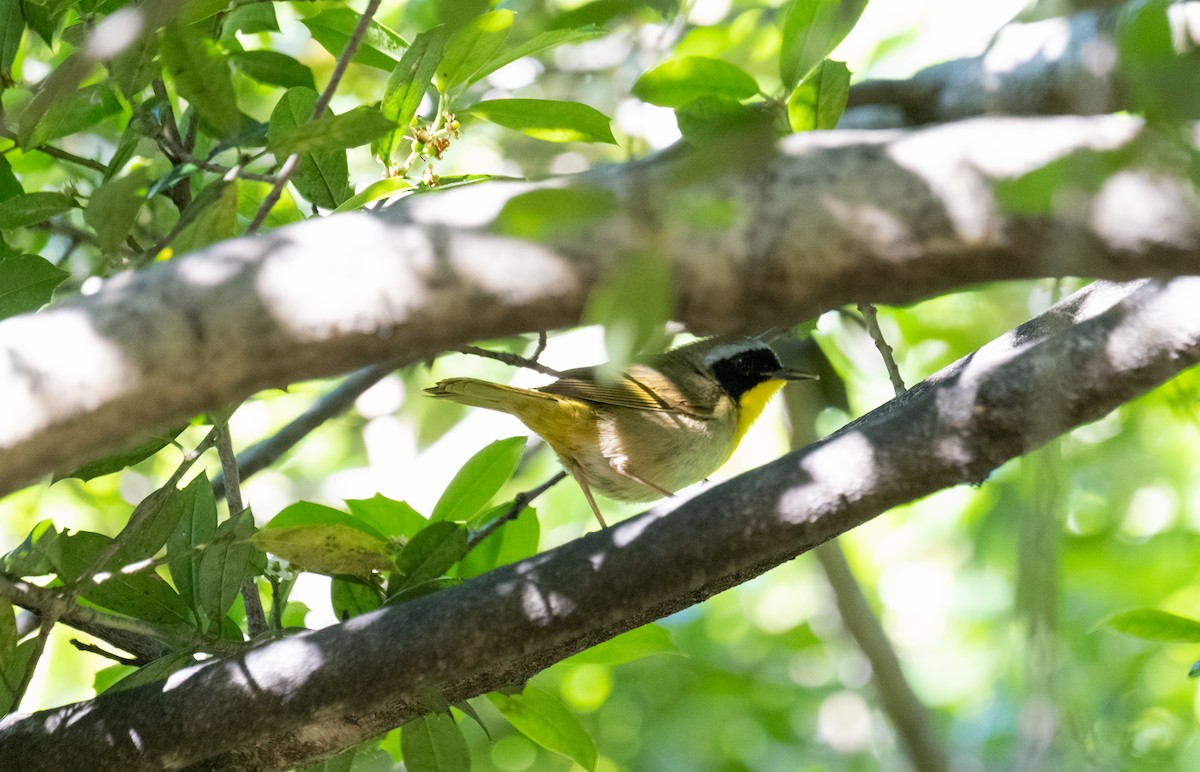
26, 283
273, 67
33, 208
202, 77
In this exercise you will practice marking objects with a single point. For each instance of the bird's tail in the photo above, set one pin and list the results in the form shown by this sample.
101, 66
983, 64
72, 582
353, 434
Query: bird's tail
477, 393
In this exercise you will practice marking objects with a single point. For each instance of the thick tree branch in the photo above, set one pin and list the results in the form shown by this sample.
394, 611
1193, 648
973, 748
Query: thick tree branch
822, 220
309, 694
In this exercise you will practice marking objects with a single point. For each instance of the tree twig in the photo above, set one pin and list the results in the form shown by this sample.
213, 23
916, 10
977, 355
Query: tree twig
334, 403
520, 501
871, 318
293, 161
515, 360
256, 620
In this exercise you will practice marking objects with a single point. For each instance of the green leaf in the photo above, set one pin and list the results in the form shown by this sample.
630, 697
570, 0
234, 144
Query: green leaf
42, 20
33, 208
250, 196
326, 549
676, 82
194, 529
430, 554
37, 554
388, 517
224, 564
332, 28
546, 119
251, 18
331, 132
12, 669
535, 45
12, 27
542, 215
162, 511
545, 720
351, 598
479, 480
155, 671
127, 458
819, 101
273, 67
26, 283
1159, 76
211, 217
717, 120
633, 301
434, 743
638, 643
406, 87
84, 109
325, 540
1038, 192
143, 595
114, 207
515, 540
470, 47
10, 186
202, 77
1154, 625
811, 30
323, 178
378, 189
307, 513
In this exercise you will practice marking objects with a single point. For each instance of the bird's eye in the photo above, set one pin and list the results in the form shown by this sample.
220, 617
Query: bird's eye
743, 364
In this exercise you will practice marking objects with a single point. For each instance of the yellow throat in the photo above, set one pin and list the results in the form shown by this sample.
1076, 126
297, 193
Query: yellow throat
751, 405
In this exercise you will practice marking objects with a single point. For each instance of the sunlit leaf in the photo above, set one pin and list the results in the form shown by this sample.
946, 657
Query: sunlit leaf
543, 41
470, 47
479, 480
549, 120
676, 82
331, 132
1154, 625
332, 28
379, 189
251, 18
26, 283
250, 196
544, 719
406, 87
387, 516
820, 99
434, 743
811, 30
326, 549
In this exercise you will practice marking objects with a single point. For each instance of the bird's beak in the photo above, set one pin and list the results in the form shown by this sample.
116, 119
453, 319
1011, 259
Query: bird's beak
793, 375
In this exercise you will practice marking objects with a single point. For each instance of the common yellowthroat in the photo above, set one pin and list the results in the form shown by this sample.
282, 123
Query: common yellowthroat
665, 423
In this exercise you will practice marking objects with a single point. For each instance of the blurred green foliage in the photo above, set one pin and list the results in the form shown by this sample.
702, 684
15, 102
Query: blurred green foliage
995, 597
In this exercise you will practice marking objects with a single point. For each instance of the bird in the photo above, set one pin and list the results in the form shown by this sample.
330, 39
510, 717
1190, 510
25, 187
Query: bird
660, 425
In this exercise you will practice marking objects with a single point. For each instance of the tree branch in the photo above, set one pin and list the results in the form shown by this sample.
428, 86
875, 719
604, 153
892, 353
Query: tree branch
823, 220
309, 694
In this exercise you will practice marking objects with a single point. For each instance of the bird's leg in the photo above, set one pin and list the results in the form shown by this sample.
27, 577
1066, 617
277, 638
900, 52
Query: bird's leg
581, 478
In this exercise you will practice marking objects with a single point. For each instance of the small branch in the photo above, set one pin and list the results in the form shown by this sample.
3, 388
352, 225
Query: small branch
59, 154
256, 620
293, 161
871, 317
520, 501
334, 403
515, 360
92, 648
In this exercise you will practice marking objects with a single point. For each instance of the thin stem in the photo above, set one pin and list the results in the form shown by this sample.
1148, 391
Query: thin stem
60, 154
520, 501
39, 647
256, 620
516, 360
293, 161
871, 317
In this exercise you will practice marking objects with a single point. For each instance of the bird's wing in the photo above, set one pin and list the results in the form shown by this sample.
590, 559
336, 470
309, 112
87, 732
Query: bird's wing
587, 384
